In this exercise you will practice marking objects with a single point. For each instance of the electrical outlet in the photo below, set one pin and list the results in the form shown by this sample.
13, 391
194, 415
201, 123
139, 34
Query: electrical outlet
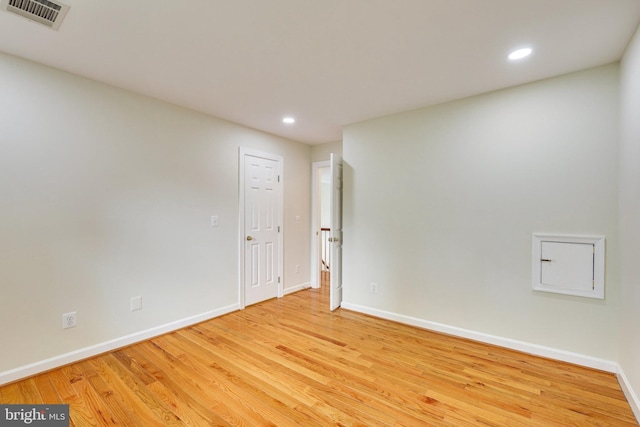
69, 320
374, 288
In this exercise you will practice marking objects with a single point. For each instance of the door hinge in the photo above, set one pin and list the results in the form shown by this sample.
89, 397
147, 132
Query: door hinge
278, 229
278, 279
278, 178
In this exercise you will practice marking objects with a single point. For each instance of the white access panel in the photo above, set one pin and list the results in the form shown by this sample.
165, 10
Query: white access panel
567, 265
572, 265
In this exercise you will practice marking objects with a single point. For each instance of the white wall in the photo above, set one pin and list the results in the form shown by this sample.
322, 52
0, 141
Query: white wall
440, 204
630, 216
321, 152
108, 195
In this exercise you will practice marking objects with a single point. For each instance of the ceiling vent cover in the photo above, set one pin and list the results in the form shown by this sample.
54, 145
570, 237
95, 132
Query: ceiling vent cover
44, 12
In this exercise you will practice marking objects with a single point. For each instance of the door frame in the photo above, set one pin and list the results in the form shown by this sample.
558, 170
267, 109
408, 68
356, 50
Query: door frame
316, 245
243, 153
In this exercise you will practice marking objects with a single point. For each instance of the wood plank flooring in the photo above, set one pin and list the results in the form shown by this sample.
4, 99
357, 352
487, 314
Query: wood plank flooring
291, 362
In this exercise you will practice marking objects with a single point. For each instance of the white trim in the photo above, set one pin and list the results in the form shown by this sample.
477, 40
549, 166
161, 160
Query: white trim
598, 264
104, 347
316, 243
243, 152
537, 350
631, 396
300, 287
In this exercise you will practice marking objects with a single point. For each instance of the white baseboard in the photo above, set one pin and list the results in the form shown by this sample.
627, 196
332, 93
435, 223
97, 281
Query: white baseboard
94, 350
297, 288
537, 350
631, 396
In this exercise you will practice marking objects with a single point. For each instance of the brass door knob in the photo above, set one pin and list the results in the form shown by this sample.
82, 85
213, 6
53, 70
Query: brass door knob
249, 238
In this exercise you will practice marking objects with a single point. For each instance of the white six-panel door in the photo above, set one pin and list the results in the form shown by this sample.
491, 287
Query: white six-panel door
261, 195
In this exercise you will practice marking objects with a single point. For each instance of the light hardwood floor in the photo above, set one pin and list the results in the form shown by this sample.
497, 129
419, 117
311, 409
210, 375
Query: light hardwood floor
291, 362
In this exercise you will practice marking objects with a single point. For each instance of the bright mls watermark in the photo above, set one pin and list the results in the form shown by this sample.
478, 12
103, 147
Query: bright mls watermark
34, 415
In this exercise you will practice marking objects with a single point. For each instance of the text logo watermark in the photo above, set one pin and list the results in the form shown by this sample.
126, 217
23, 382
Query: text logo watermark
34, 415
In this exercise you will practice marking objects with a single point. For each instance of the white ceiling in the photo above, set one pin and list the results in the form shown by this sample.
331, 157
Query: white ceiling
329, 63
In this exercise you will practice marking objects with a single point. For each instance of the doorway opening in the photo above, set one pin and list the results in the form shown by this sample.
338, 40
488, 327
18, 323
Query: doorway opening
325, 226
321, 250
326, 261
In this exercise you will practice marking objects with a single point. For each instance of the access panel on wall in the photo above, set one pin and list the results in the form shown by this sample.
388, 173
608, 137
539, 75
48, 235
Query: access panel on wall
572, 265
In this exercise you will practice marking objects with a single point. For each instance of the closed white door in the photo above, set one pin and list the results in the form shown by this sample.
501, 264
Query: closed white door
335, 220
261, 239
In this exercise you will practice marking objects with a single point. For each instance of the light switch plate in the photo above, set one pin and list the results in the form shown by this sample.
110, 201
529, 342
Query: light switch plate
214, 220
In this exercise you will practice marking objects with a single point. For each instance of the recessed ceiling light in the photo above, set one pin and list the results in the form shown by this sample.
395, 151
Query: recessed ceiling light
289, 120
520, 53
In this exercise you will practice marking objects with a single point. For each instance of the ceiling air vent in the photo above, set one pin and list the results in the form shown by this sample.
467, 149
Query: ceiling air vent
44, 12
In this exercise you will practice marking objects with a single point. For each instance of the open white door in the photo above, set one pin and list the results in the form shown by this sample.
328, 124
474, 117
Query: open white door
335, 221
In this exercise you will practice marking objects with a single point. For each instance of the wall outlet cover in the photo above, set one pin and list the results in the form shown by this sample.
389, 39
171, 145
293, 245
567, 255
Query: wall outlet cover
69, 320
